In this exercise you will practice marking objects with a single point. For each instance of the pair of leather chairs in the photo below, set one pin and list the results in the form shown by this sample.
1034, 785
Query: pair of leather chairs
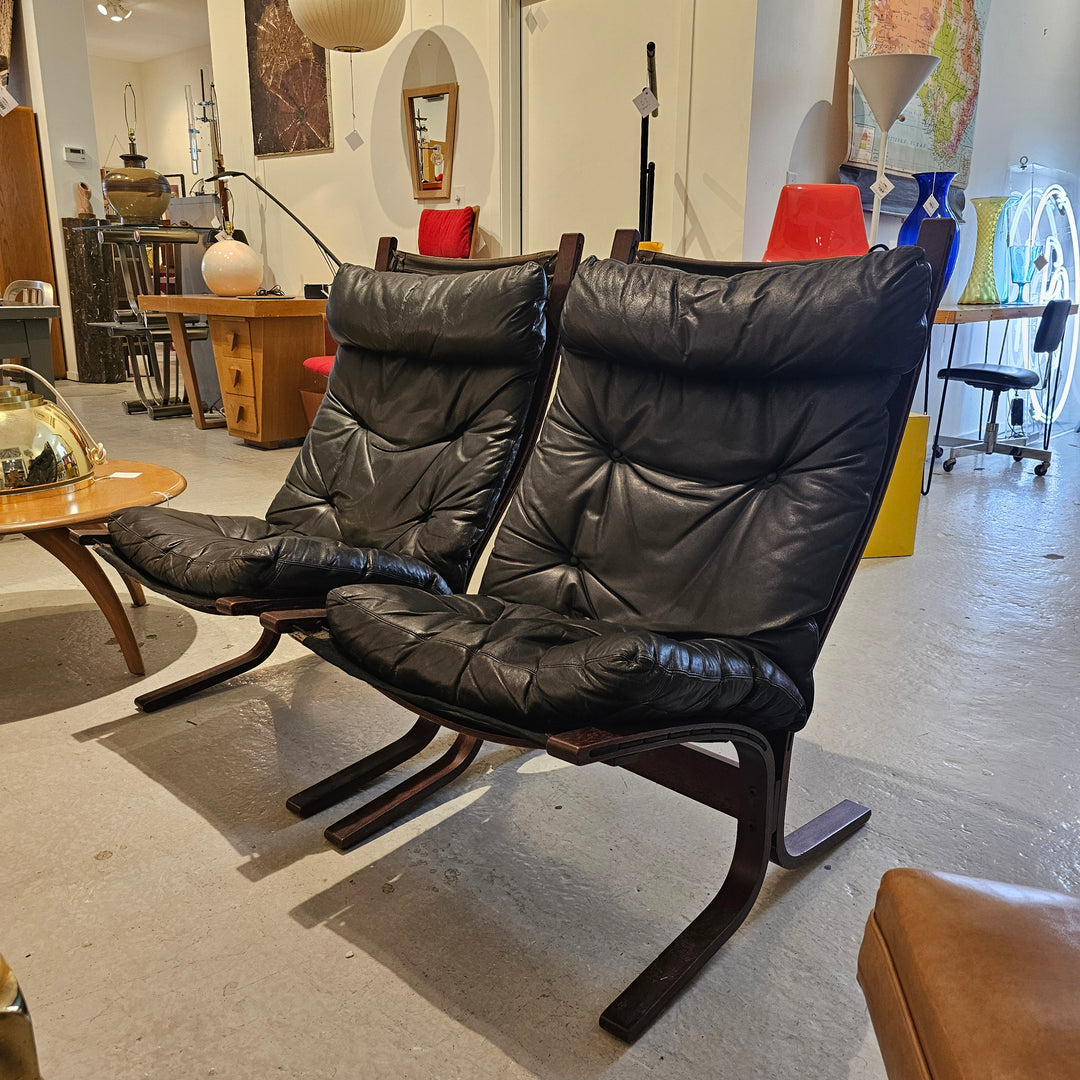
676, 547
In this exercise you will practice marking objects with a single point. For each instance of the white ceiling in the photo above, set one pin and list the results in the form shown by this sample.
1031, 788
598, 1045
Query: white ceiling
156, 28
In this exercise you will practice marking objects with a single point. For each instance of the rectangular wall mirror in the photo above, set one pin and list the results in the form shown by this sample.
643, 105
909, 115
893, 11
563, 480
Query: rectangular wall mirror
430, 119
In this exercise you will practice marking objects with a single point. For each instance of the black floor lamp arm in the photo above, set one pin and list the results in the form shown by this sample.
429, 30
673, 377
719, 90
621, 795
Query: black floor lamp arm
333, 261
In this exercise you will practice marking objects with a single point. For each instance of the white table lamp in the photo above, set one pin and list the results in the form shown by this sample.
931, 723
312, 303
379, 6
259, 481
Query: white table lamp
888, 82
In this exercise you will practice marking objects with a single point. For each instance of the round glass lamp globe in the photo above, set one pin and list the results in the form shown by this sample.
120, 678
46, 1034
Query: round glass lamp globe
231, 268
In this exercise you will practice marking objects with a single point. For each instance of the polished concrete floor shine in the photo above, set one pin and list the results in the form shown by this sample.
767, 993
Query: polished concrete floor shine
169, 918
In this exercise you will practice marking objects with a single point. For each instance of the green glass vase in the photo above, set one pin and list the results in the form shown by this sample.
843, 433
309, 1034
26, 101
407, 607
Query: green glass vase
982, 286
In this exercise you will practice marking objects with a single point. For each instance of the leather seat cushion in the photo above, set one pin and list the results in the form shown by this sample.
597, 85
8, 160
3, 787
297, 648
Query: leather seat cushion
523, 668
967, 978
246, 556
991, 376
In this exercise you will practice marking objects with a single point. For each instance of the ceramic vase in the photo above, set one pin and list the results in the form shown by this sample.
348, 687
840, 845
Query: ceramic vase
983, 286
934, 184
137, 194
231, 268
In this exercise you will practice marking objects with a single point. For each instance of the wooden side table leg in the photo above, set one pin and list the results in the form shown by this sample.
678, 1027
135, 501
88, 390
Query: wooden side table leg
135, 591
86, 568
182, 343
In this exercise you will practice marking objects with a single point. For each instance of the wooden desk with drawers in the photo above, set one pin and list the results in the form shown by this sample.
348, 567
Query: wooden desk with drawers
260, 345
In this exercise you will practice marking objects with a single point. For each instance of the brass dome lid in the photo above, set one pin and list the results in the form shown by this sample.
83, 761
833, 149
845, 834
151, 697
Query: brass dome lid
41, 445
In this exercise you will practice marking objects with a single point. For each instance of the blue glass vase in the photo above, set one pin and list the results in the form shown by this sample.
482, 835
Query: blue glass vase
936, 184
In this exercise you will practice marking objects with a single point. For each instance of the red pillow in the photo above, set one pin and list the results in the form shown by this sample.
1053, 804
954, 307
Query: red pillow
446, 234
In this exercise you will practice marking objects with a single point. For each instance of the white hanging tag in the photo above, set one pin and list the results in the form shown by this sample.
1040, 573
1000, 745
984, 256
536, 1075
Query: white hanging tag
931, 205
646, 102
7, 102
882, 187
1041, 262
354, 140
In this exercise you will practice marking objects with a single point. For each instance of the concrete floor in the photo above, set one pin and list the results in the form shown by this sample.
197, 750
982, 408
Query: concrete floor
168, 918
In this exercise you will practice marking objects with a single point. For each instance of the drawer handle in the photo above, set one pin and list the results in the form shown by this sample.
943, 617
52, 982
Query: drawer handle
236, 376
234, 337
239, 412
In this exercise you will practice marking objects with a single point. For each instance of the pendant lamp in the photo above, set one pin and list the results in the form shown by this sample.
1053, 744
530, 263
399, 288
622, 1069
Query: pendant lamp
349, 25
888, 82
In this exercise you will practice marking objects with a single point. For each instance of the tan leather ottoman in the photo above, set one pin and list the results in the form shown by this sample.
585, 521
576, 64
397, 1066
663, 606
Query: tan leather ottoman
972, 980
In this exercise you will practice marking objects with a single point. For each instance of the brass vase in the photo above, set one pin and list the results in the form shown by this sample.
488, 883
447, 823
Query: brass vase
982, 285
138, 194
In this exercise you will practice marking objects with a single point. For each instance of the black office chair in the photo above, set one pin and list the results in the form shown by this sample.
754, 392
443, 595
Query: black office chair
998, 378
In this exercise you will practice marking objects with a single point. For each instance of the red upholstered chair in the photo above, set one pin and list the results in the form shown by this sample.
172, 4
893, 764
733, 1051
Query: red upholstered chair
817, 221
320, 367
448, 234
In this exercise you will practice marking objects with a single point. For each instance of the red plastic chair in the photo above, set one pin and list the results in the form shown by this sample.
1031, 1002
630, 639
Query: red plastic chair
817, 221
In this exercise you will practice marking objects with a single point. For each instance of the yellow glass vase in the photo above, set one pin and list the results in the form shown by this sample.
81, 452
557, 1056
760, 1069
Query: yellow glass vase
982, 285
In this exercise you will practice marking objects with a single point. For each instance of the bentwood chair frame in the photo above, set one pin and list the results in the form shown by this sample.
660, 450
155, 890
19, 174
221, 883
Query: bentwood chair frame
753, 789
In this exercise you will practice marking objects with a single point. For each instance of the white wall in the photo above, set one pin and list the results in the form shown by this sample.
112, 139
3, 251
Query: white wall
107, 81
161, 129
799, 110
54, 38
166, 140
1029, 103
719, 118
351, 198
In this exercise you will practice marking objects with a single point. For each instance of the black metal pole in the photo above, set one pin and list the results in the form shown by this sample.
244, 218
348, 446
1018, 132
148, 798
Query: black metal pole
643, 180
647, 234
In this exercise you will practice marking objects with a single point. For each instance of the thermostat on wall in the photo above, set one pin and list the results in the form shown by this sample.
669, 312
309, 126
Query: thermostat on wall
74, 153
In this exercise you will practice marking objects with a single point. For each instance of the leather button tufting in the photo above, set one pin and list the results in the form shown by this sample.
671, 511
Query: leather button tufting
771, 478
573, 561
616, 454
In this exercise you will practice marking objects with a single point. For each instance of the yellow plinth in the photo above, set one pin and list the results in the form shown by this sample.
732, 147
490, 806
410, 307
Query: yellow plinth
894, 532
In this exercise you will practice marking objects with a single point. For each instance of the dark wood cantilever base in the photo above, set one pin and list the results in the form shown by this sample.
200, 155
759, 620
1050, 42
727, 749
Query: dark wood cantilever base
193, 684
398, 801
355, 777
752, 789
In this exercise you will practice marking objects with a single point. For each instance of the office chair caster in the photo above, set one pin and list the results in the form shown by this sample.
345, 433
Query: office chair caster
938, 451
1040, 469
1018, 455
948, 466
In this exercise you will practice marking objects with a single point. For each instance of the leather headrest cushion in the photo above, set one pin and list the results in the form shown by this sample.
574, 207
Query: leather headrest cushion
860, 314
485, 316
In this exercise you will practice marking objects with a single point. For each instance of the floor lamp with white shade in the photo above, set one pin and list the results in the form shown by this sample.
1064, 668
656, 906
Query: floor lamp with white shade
888, 82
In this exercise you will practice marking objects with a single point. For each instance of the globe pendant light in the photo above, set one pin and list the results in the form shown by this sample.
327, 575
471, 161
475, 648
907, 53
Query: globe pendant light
349, 25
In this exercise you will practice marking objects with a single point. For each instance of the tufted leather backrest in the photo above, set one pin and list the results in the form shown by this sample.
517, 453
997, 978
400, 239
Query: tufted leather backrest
424, 412
709, 459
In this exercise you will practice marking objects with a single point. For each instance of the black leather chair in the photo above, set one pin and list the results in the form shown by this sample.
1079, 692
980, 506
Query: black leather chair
1001, 378
433, 402
701, 490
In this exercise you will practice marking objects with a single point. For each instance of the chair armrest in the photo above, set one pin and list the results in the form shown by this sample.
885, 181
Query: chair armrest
88, 535
252, 605
285, 622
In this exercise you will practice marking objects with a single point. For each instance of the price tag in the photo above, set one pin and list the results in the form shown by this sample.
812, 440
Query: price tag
354, 140
7, 102
646, 102
882, 187
1041, 262
124, 475
931, 205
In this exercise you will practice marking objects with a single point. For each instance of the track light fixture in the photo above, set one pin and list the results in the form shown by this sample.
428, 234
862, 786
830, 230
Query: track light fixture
114, 10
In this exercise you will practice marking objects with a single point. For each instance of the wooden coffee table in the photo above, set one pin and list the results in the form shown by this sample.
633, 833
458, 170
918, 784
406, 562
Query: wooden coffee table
46, 516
